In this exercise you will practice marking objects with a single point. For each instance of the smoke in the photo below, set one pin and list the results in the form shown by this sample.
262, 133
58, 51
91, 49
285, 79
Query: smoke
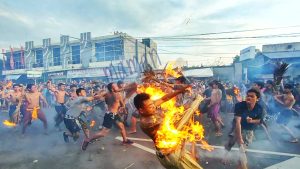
35, 150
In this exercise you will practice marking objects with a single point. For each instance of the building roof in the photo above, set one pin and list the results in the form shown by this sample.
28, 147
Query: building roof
205, 72
282, 55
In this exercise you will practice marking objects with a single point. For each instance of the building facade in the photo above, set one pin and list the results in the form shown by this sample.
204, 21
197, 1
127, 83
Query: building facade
107, 58
261, 64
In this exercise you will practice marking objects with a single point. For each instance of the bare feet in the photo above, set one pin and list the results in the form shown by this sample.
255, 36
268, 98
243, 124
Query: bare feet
218, 134
132, 132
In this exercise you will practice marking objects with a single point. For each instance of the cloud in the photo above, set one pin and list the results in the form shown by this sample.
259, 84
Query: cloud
34, 20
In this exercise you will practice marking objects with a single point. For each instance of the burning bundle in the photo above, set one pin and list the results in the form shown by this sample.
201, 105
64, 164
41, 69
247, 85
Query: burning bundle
172, 72
178, 125
279, 71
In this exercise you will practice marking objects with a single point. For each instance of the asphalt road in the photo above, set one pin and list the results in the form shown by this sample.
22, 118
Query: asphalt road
39, 151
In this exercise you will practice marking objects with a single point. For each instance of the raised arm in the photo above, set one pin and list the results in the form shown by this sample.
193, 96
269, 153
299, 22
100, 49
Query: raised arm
169, 96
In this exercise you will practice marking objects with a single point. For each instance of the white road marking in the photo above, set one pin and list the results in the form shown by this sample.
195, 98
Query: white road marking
217, 147
139, 146
129, 166
292, 163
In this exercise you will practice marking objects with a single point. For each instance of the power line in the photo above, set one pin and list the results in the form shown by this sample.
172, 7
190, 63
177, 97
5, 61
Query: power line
297, 34
225, 32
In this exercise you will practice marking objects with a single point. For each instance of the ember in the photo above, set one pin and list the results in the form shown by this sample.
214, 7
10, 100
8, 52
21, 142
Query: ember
92, 124
9, 124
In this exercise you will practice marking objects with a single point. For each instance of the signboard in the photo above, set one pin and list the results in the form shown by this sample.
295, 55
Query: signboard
248, 53
34, 74
82, 73
56, 75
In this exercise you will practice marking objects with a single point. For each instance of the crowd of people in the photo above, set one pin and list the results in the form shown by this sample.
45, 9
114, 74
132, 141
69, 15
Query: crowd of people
83, 106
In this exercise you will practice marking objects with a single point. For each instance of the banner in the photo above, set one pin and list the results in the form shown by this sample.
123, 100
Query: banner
4, 61
11, 62
22, 57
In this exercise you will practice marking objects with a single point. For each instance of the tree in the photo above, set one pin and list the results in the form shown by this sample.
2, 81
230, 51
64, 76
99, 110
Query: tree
236, 59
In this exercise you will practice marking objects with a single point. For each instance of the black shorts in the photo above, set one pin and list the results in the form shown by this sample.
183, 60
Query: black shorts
109, 119
61, 109
75, 125
72, 125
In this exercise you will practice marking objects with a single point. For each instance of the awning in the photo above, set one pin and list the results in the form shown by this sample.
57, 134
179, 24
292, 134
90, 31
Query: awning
12, 77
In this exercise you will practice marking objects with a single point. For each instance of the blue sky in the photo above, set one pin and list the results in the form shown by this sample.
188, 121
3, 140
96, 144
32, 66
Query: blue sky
24, 20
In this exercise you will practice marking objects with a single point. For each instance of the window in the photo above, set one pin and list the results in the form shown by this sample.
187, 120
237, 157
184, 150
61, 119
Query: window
56, 57
100, 56
39, 58
17, 60
111, 49
76, 54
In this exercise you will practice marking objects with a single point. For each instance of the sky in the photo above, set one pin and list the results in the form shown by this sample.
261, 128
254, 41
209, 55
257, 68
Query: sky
34, 20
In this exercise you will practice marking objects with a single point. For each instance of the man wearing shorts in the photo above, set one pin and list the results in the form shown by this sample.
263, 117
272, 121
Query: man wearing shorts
114, 102
73, 118
287, 101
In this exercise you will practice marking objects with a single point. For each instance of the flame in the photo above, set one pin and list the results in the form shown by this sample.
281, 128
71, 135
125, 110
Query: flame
168, 138
9, 84
206, 146
9, 124
236, 91
170, 71
92, 124
229, 97
34, 114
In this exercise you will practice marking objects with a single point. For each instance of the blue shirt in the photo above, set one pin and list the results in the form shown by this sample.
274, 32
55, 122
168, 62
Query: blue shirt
241, 110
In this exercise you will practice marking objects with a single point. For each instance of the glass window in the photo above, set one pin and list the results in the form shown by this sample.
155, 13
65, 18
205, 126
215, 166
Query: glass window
100, 46
17, 60
39, 58
56, 57
76, 54
110, 49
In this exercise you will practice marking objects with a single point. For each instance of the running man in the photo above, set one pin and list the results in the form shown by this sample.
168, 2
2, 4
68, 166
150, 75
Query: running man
73, 117
287, 101
60, 107
115, 103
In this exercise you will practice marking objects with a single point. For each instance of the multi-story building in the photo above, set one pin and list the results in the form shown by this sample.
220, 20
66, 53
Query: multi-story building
106, 58
260, 65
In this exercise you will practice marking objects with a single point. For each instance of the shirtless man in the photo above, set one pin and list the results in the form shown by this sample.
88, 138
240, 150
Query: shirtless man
214, 106
60, 107
129, 109
287, 101
15, 100
114, 103
73, 94
33, 103
151, 120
